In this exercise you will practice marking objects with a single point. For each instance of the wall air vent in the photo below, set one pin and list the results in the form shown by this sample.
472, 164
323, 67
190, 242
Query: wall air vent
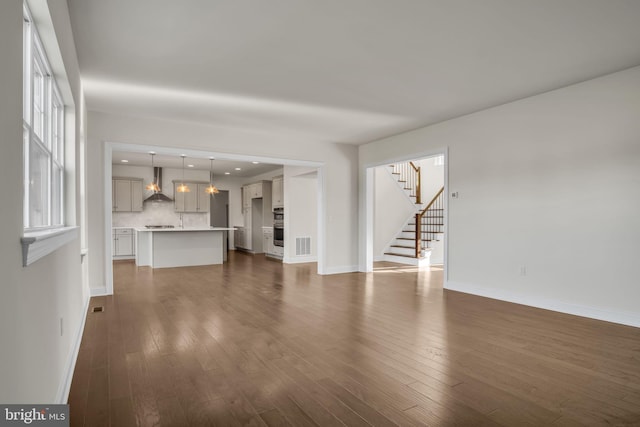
303, 246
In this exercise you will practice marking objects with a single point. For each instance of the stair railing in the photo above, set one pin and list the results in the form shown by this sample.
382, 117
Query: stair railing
437, 203
409, 177
416, 177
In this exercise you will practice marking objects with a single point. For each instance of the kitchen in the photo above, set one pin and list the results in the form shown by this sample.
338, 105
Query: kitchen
241, 211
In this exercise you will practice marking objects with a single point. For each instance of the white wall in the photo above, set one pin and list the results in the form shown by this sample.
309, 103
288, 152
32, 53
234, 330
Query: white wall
267, 176
301, 207
340, 171
431, 178
550, 182
36, 359
392, 208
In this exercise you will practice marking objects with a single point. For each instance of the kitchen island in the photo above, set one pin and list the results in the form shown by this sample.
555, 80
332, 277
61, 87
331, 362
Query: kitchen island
180, 247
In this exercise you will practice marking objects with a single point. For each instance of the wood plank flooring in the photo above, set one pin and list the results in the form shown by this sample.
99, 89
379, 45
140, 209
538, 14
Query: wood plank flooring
256, 343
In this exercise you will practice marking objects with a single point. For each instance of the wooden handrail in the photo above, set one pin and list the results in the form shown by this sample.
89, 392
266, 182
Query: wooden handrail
432, 201
416, 169
418, 187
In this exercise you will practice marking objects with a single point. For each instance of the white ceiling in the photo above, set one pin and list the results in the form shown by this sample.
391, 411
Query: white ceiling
220, 166
341, 70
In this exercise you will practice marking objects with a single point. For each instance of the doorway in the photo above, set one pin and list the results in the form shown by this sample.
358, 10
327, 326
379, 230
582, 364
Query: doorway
390, 211
219, 215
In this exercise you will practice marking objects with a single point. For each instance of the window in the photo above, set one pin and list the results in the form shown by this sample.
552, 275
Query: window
43, 121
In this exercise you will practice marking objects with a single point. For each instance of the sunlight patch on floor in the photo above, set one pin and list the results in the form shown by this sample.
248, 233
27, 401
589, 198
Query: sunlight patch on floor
391, 267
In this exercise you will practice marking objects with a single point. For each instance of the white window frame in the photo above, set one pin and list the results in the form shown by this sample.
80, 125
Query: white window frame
47, 138
50, 233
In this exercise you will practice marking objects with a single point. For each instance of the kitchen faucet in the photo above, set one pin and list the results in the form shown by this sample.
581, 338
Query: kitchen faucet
181, 222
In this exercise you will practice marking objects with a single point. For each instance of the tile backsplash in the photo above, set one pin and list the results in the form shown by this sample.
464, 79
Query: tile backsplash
158, 213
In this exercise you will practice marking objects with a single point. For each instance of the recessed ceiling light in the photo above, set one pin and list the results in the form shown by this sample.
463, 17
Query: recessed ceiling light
227, 173
124, 161
189, 166
256, 163
238, 169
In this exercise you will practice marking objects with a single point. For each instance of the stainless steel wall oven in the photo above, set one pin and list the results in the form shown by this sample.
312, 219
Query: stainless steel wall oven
278, 227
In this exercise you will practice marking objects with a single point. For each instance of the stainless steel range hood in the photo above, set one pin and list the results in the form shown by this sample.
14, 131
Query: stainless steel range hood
158, 196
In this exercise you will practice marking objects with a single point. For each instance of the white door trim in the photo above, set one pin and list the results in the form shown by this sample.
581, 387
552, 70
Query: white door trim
367, 204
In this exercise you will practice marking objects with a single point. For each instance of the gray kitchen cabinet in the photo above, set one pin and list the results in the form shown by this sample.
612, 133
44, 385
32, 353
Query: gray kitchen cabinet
256, 213
126, 195
247, 192
238, 237
267, 242
123, 243
248, 229
204, 198
277, 198
256, 190
195, 201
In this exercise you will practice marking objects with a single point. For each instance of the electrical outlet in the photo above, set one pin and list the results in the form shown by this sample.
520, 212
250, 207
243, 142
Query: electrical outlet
523, 270
61, 326
454, 195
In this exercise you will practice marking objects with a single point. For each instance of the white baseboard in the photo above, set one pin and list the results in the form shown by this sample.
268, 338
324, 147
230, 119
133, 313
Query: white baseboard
341, 269
248, 251
378, 258
98, 292
62, 396
300, 259
621, 317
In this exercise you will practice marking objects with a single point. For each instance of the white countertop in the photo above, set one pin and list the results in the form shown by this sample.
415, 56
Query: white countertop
155, 230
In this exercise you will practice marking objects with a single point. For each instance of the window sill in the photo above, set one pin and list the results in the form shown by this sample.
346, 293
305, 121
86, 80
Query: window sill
38, 244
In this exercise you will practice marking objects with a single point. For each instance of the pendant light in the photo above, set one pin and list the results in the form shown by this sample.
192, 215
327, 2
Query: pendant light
211, 189
183, 188
153, 186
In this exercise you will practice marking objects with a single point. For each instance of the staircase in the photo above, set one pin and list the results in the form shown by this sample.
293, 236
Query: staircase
413, 243
407, 175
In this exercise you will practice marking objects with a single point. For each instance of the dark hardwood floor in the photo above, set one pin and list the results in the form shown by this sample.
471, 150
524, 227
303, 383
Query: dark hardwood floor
255, 342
